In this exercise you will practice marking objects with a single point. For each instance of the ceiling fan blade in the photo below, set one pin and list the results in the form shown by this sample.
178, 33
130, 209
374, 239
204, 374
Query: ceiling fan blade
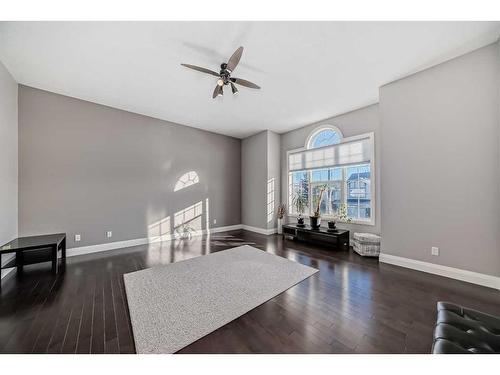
234, 59
244, 82
217, 91
200, 69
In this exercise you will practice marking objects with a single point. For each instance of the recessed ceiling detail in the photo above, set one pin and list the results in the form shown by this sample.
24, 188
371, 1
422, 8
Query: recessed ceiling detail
310, 70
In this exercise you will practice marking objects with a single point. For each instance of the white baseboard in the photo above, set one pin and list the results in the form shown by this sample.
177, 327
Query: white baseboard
140, 241
437, 269
226, 229
70, 252
267, 232
106, 246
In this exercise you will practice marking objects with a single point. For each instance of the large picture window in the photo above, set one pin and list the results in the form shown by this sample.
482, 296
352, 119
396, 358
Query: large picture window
343, 166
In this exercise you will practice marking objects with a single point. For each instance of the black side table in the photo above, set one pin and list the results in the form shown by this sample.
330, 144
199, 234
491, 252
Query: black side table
333, 239
35, 249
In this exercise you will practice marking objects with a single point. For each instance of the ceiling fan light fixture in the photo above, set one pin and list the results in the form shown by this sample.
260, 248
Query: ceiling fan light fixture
221, 92
234, 89
220, 82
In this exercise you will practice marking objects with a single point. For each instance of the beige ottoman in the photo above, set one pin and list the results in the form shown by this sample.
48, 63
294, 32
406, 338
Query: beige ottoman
367, 244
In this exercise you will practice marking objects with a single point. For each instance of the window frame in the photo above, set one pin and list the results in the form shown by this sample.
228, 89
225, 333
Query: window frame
318, 130
373, 191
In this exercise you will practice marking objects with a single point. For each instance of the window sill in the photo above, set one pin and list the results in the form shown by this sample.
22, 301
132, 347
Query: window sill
353, 222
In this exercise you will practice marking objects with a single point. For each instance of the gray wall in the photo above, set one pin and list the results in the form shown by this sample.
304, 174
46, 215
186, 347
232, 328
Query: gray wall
274, 172
440, 163
260, 163
363, 120
8, 160
86, 168
254, 180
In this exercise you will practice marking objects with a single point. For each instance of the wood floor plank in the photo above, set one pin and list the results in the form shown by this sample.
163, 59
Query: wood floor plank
125, 338
97, 341
36, 317
17, 317
70, 340
353, 305
84, 340
110, 330
63, 319
48, 318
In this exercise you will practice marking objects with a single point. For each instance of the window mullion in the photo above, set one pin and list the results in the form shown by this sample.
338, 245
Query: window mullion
359, 197
344, 187
310, 190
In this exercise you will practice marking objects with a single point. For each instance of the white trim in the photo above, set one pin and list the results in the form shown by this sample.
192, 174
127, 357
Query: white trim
330, 217
373, 178
267, 232
106, 246
226, 229
75, 251
437, 269
140, 241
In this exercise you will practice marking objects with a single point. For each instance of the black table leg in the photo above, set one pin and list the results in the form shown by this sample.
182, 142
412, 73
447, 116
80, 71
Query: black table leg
63, 248
346, 242
19, 262
54, 259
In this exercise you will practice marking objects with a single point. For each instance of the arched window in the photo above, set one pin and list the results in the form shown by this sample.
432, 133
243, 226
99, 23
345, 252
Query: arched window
337, 169
326, 135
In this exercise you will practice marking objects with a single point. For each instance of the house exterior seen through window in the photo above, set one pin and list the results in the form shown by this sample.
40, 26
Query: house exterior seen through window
346, 185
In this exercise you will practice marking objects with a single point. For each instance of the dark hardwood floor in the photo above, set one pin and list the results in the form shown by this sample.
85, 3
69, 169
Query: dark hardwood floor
353, 305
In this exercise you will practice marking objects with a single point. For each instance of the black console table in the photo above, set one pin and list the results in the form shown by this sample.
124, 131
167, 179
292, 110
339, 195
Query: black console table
337, 238
35, 249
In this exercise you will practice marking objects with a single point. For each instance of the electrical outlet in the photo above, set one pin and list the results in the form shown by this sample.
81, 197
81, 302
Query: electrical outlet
215, 221
78, 237
109, 234
435, 251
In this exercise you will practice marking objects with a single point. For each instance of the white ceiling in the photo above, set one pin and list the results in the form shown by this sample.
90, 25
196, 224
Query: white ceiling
308, 71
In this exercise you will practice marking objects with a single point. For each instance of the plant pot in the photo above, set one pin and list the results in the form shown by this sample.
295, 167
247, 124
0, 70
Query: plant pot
332, 224
300, 221
315, 221
280, 226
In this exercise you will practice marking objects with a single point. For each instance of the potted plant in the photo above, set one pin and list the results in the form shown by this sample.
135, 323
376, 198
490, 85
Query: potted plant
184, 231
341, 216
280, 214
300, 202
315, 218
332, 224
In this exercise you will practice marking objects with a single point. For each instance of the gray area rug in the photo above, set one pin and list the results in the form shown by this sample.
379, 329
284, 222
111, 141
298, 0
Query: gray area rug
174, 305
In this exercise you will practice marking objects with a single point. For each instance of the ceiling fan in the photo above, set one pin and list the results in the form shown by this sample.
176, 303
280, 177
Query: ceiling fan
224, 75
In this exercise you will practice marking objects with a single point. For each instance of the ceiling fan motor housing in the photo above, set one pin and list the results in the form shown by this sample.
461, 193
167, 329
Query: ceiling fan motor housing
224, 73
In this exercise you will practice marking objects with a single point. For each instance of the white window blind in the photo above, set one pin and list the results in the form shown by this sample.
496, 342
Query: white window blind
349, 152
